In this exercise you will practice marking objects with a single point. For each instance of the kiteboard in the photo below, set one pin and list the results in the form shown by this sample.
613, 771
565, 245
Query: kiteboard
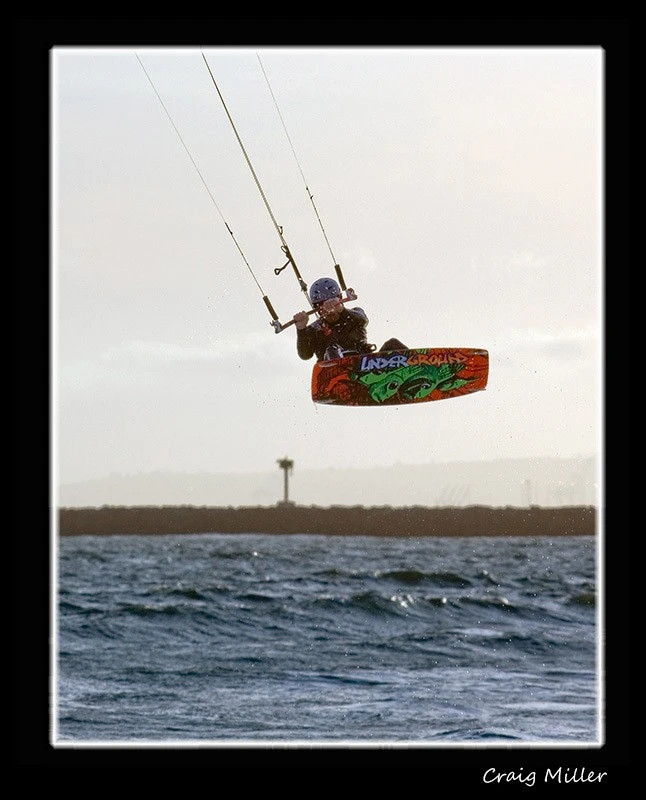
396, 377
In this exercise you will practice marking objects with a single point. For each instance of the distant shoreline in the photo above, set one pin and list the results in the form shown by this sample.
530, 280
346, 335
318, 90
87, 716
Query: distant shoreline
330, 521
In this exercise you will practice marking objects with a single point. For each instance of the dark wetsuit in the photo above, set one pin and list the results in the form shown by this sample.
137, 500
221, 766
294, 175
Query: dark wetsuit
348, 332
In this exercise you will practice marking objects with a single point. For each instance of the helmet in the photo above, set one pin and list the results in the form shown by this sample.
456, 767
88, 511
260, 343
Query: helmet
323, 289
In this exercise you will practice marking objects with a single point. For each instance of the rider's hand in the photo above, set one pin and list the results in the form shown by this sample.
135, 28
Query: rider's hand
300, 320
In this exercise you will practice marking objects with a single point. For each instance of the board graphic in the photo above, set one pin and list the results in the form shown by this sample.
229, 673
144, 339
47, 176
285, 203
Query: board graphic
396, 377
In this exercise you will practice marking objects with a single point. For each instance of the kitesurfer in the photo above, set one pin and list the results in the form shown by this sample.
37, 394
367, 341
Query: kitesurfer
338, 331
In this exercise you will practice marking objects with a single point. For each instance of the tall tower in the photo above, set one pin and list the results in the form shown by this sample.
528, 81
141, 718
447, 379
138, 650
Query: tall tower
287, 466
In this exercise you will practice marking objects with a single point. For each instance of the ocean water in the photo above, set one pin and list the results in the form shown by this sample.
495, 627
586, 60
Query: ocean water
255, 639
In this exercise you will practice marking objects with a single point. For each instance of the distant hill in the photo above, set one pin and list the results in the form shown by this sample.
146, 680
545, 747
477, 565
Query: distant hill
502, 482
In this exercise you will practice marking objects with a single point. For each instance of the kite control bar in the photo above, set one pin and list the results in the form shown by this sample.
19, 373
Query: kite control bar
279, 326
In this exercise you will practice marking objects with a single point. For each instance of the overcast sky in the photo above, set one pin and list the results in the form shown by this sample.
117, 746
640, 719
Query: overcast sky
460, 190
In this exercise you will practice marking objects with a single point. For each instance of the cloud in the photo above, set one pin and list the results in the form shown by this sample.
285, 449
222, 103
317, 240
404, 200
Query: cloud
150, 353
567, 345
527, 260
361, 258
126, 365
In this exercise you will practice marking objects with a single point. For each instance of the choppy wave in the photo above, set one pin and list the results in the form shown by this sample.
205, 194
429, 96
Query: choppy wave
326, 638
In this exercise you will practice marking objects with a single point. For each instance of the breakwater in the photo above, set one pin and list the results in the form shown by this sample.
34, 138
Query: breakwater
333, 520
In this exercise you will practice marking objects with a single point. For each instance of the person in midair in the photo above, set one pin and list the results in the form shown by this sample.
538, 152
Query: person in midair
338, 331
